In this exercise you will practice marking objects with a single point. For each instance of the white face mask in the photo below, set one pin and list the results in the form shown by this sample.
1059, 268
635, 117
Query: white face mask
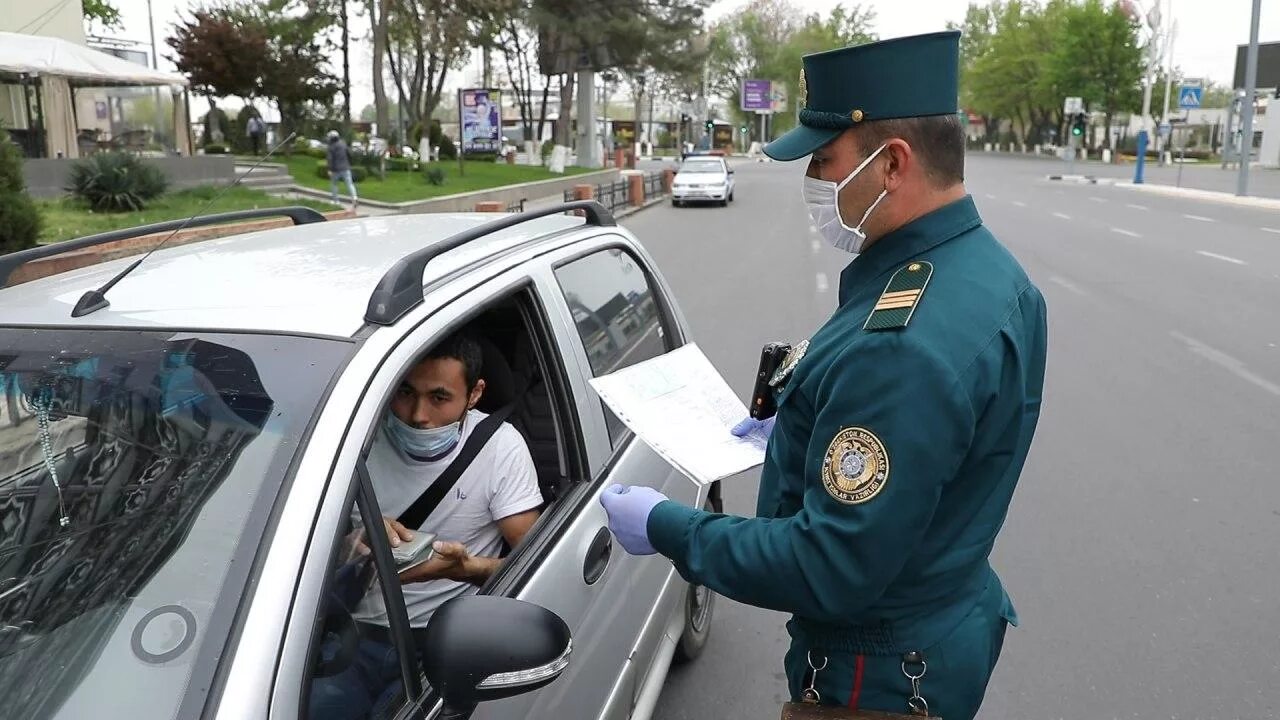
823, 199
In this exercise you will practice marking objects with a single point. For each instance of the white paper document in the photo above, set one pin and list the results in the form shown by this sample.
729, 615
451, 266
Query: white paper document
681, 407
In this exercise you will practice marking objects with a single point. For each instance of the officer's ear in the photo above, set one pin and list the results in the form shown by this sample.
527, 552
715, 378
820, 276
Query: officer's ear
900, 163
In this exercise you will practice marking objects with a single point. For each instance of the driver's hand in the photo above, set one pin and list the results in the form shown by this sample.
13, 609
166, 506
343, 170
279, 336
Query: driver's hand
451, 561
396, 534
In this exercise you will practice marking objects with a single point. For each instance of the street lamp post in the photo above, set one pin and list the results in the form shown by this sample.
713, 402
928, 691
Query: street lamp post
1246, 110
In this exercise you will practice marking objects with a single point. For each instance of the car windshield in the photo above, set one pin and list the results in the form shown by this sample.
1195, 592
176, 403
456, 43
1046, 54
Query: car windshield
701, 166
137, 472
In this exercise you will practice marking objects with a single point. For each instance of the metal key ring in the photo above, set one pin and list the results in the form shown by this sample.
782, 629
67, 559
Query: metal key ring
924, 668
815, 668
918, 705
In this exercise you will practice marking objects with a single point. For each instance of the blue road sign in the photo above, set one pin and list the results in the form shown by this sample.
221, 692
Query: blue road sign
1189, 97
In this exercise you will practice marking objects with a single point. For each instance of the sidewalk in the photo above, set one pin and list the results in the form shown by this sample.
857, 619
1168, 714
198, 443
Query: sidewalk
1263, 182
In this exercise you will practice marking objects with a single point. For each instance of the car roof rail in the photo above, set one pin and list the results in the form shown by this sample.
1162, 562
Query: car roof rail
8, 263
400, 289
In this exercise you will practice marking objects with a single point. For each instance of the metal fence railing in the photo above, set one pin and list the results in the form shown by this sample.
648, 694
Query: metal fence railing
517, 206
652, 186
568, 195
612, 195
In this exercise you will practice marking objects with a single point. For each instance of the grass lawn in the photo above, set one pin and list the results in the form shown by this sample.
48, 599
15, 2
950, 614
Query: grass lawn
403, 186
67, 218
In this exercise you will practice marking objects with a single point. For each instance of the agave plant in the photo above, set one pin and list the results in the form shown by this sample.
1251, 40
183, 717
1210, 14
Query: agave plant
116, 182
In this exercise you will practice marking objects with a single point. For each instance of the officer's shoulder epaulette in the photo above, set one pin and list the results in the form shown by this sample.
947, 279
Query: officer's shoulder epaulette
898, 301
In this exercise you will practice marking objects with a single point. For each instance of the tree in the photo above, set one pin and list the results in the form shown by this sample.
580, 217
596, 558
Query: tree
378, 11
1013, 77
102, 11
427, 39
1098, 55
20, 220
297, 75
767, 40
976, 34
270, 50
221, 51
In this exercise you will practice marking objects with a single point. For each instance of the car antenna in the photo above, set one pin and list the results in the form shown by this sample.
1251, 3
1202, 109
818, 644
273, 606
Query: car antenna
94, 300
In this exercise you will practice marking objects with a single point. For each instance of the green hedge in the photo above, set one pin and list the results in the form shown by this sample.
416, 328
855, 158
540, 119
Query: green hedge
358, 173
215, 149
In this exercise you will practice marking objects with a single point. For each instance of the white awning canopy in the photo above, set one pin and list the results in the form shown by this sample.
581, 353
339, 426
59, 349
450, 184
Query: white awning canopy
81, 66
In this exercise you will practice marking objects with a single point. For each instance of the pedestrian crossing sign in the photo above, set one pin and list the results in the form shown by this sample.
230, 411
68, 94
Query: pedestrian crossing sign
1189, 97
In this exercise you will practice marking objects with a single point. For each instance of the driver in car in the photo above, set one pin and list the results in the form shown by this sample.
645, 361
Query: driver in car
495, 500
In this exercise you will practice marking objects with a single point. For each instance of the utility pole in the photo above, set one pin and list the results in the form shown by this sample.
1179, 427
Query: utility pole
1246, 112
155, 65
1152, 19
1168, 86
346, 64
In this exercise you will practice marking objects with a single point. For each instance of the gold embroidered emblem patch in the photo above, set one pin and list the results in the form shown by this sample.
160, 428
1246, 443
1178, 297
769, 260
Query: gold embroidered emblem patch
857, 466
804, 89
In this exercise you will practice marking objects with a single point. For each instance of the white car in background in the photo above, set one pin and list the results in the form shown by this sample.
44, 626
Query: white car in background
703, 178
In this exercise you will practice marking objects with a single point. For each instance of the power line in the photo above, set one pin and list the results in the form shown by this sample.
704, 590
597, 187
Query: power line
43, 18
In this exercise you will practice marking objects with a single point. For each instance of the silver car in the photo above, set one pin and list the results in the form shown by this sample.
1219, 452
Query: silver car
182, 454
703, 178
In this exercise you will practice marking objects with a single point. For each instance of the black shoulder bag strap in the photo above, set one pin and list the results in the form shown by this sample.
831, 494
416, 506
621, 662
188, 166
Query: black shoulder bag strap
421, 508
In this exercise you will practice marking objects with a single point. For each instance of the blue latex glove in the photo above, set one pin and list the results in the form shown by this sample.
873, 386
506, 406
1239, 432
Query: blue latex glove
751, 425
628, 508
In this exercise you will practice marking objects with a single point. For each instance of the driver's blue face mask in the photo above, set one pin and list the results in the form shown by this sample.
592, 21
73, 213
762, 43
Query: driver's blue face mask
423, 443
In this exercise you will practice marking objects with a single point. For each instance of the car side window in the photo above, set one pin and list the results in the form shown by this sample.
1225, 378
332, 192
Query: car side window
356, 668
617, 314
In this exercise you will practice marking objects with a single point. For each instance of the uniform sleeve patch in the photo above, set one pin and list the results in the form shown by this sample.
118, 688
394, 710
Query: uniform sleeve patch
856, 467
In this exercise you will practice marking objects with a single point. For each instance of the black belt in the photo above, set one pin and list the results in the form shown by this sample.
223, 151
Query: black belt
376, 633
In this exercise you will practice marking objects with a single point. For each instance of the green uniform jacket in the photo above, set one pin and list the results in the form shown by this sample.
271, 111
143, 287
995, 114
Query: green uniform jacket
899, 441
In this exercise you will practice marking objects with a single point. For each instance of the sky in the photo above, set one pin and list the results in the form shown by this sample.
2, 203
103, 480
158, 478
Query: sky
1208, 31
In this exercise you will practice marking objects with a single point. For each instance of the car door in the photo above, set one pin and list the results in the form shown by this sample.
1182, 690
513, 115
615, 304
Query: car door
608, 311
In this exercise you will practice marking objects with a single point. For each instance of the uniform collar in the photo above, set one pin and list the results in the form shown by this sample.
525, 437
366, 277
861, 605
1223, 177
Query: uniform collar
909, 241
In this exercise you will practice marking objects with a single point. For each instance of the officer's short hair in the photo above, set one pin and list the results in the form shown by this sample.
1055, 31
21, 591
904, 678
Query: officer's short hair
938, 141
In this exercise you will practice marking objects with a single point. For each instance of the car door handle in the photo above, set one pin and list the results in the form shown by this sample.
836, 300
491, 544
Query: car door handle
597, 556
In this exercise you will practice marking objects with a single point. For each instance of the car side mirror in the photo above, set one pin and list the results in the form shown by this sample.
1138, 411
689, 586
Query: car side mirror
730, 172
478, 648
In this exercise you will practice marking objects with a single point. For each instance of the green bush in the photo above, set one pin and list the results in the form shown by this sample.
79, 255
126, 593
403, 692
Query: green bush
448, 151
401, 164
215, 149
479, 157
116, 182
358, 173
433, 175
224, 124
300, 145
317, 152
547, 148
19, 218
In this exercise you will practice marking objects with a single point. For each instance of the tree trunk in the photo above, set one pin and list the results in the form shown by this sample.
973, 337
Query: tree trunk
1110, 139
564, 126
542, 110
639, 112
378, 19
346, 63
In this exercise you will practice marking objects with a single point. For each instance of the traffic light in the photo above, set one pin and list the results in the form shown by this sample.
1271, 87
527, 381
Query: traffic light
1078, 124
743, 129
710, 125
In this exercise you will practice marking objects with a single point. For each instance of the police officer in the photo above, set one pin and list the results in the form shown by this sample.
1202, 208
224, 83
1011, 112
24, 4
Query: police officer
902, 424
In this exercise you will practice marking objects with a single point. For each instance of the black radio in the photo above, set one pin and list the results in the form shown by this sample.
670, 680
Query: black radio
772, 356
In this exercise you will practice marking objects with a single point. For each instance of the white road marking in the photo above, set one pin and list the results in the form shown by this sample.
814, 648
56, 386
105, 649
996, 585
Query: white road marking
1271, 230
1136, 207
1061, 215
813, 229
1201, 218
1067, 284
822, 282
1230, 364
1130, 233
989, 196
1216, 256
1019, 203
1097, 199
815, 246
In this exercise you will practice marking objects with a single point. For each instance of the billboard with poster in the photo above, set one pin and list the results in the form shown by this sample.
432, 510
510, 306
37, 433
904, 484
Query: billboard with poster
480, 117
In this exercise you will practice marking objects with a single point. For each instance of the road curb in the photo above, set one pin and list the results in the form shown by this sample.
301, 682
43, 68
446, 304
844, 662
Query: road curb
1207, 195
1081, 179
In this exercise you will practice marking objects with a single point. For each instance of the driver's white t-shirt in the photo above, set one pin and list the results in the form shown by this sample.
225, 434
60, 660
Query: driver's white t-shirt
500, 482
